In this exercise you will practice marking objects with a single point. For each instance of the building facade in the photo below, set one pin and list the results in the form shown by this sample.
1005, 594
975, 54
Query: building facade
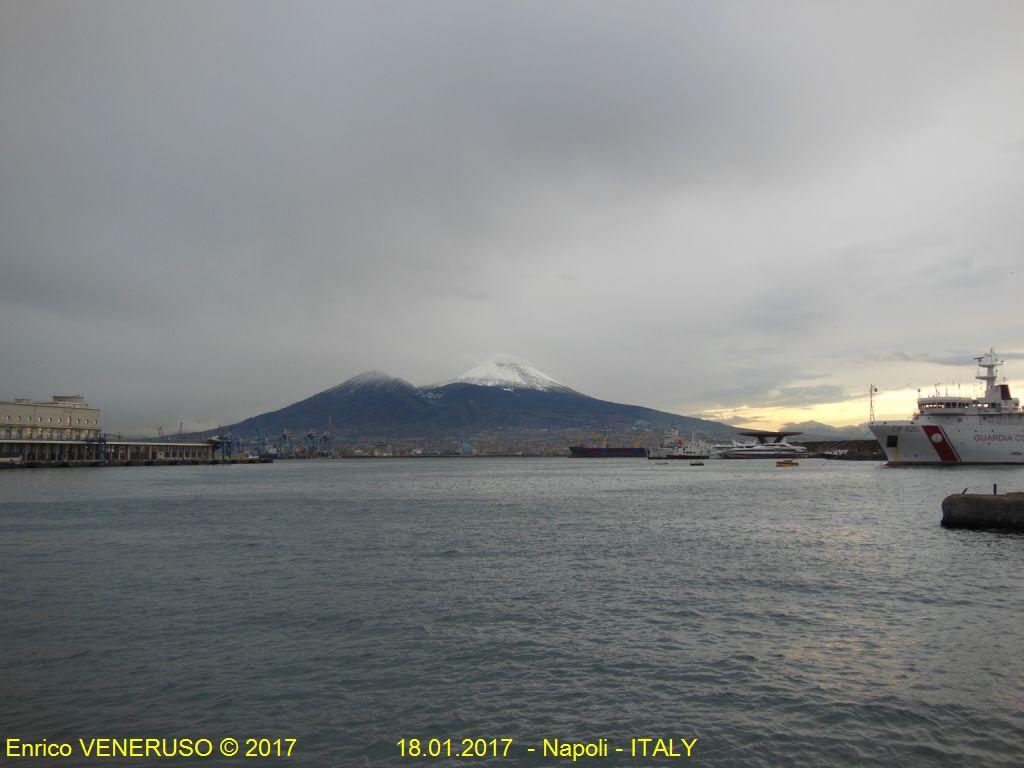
65, 417
66, 430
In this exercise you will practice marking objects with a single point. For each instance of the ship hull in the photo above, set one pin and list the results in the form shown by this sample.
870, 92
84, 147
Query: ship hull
679, 457
950, 441
761, 455
580, 452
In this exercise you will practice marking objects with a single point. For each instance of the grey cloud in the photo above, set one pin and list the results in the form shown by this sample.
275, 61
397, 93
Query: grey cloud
789, 395
962, 357
725, 416
821, 393
242, 203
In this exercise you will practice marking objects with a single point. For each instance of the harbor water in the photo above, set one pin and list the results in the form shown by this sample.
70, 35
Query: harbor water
816, 615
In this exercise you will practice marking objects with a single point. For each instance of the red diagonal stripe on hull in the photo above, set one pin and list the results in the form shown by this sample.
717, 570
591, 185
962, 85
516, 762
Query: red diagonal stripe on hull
942, 445
956, 456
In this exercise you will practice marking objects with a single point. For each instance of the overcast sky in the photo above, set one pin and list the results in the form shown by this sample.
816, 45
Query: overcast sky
752, 210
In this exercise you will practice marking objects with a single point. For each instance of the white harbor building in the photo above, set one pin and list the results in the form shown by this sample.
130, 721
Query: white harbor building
66, 430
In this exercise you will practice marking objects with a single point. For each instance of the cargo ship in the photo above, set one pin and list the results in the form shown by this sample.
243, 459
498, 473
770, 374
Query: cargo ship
623, 452
605, 451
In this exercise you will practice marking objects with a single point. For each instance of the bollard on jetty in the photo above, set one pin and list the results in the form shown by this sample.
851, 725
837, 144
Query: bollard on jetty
978, 510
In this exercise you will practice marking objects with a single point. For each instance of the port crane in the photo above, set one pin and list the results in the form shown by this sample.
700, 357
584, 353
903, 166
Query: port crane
285, 442
327, 439
311, 442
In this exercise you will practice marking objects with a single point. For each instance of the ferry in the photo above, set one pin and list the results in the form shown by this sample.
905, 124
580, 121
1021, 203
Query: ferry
778, 448
958, 430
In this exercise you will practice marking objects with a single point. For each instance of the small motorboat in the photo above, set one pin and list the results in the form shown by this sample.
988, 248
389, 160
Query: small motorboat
787, 463
696, 463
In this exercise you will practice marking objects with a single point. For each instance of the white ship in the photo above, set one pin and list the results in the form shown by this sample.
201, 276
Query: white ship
778, 448
674, 447
959, 430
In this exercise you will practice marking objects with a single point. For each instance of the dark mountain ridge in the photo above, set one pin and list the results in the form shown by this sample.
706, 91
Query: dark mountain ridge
375, 406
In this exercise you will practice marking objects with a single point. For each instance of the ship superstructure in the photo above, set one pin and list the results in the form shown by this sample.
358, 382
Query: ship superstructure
949, 430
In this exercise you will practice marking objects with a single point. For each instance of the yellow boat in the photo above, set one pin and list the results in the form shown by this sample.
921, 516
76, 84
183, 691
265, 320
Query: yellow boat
787, 463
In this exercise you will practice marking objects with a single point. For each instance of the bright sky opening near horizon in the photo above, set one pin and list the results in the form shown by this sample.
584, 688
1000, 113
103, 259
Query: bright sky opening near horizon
745, 211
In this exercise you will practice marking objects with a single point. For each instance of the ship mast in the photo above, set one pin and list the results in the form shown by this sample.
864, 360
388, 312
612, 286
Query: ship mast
990, 362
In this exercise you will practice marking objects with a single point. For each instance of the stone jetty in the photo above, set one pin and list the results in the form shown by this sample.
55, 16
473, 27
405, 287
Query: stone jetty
984, 510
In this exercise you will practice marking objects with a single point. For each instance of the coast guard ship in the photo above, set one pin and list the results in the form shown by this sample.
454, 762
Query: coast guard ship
959, 430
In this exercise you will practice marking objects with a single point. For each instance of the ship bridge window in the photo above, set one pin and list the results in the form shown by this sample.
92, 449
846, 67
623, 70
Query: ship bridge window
942, 404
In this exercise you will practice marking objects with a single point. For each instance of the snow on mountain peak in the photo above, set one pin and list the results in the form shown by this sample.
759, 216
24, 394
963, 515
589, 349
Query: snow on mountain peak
367, 379
506, 371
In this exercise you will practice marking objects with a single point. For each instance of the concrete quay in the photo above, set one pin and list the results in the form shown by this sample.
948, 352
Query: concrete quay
18, 463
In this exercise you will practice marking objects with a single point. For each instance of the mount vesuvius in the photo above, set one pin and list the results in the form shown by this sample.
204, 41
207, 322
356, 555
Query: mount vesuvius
501, 399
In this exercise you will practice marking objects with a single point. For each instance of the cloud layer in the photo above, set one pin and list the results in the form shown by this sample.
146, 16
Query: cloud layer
208, 210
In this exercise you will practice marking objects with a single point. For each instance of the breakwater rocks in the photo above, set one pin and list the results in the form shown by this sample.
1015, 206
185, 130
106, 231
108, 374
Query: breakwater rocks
978, 510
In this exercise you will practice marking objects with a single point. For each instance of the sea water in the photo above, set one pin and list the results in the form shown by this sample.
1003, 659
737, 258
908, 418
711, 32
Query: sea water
816, 615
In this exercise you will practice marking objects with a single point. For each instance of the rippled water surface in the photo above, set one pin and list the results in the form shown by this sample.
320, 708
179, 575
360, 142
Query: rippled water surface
814, 616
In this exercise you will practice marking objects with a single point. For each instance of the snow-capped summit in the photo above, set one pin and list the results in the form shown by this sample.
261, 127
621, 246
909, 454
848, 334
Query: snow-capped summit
368, 379
507, 371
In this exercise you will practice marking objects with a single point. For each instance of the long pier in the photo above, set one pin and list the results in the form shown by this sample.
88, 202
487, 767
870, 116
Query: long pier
100, 452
